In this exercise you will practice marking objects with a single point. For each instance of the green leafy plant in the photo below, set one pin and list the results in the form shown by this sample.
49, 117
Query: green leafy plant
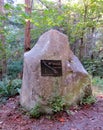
9, 88
35, 112
57, 104
14, 68
88, 100
97, 81
94, 67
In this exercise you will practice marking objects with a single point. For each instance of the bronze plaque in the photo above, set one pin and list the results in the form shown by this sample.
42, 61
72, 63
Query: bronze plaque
51, 68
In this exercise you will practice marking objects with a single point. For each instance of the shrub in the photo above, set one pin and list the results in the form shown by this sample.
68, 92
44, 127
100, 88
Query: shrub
94, 67
97, 81
88, 100
9, 88
14, 68
57, 104
35, 112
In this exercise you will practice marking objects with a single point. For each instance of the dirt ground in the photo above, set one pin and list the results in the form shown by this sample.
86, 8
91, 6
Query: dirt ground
86, 118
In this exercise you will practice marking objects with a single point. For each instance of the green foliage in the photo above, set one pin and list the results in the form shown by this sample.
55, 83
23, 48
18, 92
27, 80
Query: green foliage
88, 100
57, 104
94, 67
9, 88
14, 68
8, 6
97, 81
35, 112
75, 19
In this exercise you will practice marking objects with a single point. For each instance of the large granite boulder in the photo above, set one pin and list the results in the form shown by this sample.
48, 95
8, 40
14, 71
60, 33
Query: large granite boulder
52, 70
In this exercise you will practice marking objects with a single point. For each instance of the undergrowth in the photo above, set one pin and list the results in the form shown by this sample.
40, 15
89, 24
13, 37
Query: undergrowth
88, 100
9, 88
35, 112
97, 81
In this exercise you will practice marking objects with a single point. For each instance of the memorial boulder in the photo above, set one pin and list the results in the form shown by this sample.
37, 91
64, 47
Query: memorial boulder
51, 71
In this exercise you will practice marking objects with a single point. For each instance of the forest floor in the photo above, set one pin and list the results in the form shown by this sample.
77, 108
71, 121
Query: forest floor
12, 117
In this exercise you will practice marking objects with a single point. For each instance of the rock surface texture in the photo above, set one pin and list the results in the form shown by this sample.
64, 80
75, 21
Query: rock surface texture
72, 86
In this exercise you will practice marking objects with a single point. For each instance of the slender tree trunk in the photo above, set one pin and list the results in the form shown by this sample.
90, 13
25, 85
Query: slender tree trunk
3, 64
27, 26
82, 44
59, 4
81, 48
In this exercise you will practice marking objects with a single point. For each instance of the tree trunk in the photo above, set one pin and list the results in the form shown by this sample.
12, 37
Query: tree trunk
83, 44
59, 4
59, 7
27, 26
3, 63
81, 48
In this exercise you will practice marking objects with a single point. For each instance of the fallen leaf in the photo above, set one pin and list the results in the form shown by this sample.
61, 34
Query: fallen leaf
61, 119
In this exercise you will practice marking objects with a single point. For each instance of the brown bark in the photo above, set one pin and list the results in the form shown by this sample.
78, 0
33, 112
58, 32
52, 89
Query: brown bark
1, 6
82, 44
59, 4
27, 26
3, 63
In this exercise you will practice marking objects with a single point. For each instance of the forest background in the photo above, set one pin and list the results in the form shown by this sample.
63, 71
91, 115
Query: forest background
22, 24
